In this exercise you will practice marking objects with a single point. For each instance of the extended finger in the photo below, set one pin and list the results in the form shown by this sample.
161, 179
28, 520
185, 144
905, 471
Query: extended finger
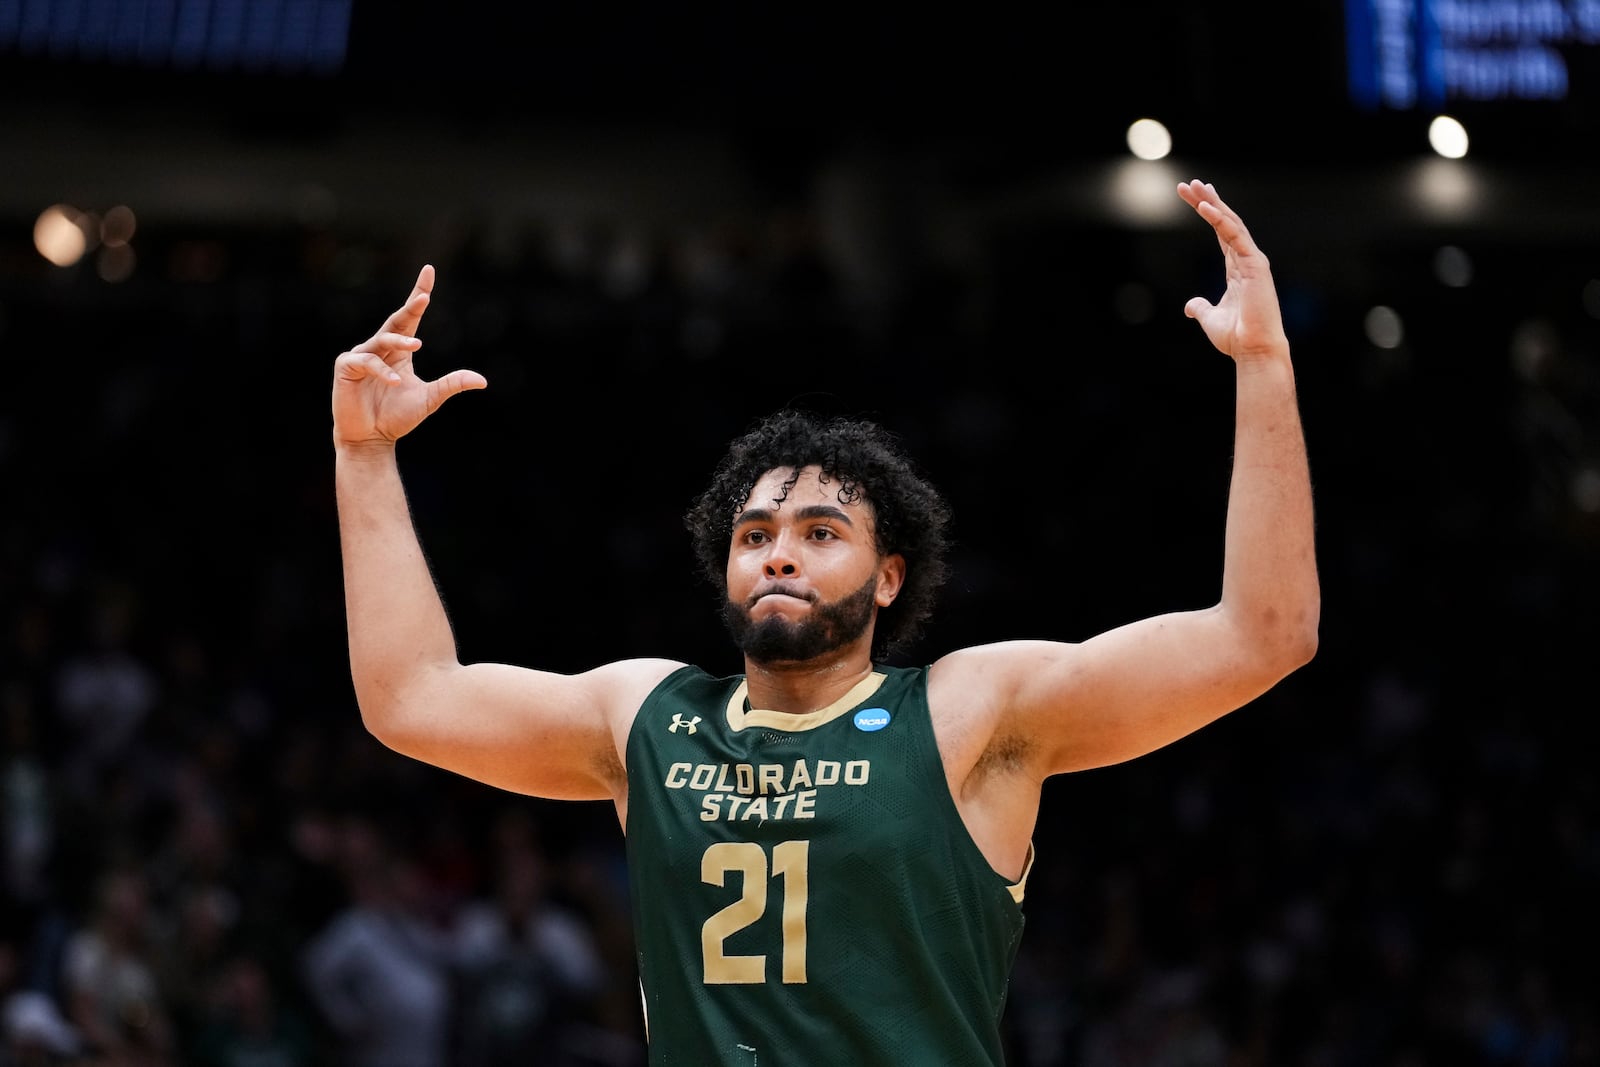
354, 366
1230, 228
1197, 192
387, 341
408, 315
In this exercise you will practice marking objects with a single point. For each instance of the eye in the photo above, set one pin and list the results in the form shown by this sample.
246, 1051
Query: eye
755, 537
823, 533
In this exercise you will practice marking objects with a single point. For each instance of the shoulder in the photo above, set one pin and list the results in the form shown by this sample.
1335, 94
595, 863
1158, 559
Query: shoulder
974, 695
992, 674
653, 680
624, 685
665, 688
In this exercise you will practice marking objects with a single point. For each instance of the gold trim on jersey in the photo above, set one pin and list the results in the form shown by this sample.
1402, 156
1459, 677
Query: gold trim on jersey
739, 718
1020, 886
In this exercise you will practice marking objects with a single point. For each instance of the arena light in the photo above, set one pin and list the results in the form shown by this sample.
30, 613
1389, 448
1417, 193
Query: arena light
61, 234
1383, 327
1446, 189
118, 226
1141, 192
1448, 137
1149, 139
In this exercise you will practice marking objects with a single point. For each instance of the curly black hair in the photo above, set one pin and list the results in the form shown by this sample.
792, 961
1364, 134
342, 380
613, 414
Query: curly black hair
910, 516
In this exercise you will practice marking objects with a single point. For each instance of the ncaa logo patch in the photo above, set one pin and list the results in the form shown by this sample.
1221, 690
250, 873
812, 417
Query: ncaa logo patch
870, 720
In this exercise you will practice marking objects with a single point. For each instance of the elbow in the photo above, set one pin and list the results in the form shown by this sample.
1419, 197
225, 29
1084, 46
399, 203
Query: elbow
1309, 630
1294, 642
380, 717
1302, 649
383, 711
1281, 642
392, 727
399, 709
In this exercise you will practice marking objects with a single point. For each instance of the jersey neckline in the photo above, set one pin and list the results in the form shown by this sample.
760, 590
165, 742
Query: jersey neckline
739, 718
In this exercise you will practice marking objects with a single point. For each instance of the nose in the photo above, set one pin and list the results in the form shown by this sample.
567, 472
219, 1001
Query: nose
781, 561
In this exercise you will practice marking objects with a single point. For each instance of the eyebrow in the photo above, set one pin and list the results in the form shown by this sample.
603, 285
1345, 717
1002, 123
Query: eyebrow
810, 511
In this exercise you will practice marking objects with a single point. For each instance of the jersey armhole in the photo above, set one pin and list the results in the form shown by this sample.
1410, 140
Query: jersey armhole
1020, 887
1015, 889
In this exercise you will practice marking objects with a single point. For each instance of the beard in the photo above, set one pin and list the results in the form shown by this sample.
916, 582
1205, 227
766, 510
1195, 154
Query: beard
826, 628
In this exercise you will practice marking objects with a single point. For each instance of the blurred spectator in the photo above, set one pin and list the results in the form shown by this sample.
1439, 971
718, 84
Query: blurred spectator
193, 882
192, 954
379, 972
104, 691
109, 978
36, 1034
249, 1024
27, 836
529, 971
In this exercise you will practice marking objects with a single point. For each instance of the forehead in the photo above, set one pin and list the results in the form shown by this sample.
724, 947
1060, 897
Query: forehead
809, 488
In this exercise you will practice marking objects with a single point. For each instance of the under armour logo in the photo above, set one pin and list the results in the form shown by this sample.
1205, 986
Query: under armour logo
678, 720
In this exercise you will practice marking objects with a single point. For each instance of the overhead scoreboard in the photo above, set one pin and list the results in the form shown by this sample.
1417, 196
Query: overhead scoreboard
278, 36
1431, 54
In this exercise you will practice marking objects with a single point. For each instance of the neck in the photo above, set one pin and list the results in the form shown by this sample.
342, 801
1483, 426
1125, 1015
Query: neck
801, 687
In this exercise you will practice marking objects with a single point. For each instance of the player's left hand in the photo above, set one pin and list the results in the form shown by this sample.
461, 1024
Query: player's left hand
1247, 322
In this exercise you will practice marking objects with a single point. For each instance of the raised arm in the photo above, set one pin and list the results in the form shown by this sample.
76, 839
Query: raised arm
530, 731
1138, 687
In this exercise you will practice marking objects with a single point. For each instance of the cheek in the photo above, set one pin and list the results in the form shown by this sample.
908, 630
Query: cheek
740, 573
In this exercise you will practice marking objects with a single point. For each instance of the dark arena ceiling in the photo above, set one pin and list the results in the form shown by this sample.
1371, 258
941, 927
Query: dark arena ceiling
244, 112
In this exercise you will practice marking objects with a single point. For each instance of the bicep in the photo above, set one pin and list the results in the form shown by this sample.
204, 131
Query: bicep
528, 731
1125, 692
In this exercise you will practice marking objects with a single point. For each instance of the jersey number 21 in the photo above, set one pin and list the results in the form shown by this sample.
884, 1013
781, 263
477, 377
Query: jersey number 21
790, 860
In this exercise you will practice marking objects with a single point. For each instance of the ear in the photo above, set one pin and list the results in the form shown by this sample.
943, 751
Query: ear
891, 576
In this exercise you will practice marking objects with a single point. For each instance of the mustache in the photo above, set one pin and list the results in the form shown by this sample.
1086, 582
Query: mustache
782, 589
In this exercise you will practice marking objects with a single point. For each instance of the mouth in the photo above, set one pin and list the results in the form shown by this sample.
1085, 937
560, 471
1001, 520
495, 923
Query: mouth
789, 591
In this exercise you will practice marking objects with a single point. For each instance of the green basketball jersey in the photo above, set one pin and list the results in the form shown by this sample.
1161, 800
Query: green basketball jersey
804, 891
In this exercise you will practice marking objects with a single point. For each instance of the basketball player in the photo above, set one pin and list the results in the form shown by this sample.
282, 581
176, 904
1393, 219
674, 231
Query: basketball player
828, 855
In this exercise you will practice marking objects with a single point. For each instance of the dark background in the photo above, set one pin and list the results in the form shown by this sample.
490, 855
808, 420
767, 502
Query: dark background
652, 227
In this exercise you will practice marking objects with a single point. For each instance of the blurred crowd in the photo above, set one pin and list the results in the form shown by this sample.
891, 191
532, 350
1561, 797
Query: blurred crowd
1391, 859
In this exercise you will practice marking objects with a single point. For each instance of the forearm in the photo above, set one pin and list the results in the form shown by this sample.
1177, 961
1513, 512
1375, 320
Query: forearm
1269, 584
398, 629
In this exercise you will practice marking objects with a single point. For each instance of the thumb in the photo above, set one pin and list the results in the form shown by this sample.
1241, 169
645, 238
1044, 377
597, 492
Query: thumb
1197, 307
455, 382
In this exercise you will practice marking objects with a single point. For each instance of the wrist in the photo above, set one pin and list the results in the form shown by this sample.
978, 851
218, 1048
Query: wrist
380, 450
1264, 358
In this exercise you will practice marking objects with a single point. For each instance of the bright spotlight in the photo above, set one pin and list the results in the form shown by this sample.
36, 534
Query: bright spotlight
1448, 137
59, 235
1148, 139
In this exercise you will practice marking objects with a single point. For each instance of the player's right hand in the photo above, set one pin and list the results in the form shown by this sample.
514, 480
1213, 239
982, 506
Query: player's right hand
377, 396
